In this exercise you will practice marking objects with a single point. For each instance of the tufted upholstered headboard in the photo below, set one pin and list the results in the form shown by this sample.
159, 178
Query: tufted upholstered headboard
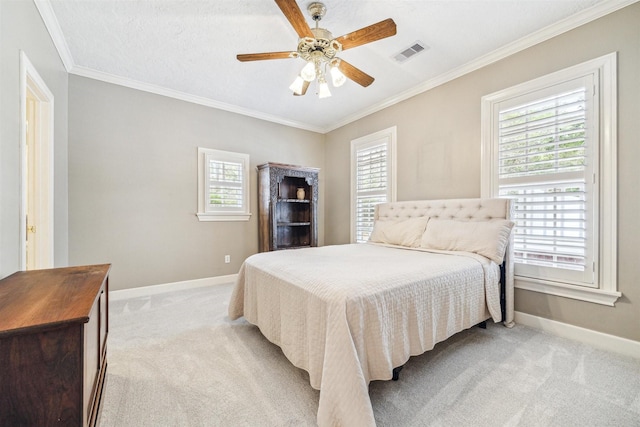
461, 209
464, 210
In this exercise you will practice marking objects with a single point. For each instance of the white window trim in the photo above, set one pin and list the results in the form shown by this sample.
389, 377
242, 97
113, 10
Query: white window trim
390, 134
203, 214
605, 68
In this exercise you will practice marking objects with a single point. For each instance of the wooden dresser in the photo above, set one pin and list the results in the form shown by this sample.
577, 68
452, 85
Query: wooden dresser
53, 346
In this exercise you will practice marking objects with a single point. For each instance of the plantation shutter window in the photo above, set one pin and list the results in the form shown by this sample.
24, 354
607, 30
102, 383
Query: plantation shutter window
549, 144
544, 165
372, 179
223, 180
224, 184
371, 187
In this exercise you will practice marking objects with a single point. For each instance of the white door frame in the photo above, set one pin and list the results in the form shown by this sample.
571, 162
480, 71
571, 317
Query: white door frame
29, 78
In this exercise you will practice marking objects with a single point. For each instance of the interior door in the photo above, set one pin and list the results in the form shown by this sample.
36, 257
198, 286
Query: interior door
32, 190
36, 169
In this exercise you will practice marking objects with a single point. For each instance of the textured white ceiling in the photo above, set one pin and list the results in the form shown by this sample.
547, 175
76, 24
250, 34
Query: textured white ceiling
190, 47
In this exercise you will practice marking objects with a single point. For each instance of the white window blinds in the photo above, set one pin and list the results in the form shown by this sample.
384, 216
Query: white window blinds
373, 177
371, 186
225, 184
544, 165
550, 144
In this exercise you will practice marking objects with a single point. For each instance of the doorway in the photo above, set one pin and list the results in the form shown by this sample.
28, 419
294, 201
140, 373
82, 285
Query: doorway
36, 152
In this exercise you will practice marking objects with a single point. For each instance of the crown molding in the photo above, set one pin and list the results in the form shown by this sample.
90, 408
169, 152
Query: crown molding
53, 27
55, 31
183, 96
574, 21
597, 11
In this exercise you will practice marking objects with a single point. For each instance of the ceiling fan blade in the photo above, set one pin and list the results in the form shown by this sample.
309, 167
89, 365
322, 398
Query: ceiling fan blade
381, 30
244, 57
293, 13
355, 74
305, 86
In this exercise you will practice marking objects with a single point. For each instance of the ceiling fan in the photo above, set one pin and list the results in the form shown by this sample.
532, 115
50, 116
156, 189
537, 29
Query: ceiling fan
319, 49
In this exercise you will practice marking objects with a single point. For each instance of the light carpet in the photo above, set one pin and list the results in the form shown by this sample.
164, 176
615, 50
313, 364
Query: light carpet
175, 359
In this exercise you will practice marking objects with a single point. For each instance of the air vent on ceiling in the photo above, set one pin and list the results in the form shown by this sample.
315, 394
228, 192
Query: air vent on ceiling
411, 51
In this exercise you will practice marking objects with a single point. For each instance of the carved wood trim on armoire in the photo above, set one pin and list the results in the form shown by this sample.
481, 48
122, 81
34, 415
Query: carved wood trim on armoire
288, 203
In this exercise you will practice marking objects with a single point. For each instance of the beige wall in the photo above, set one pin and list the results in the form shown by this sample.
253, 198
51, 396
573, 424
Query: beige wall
132, 163
133, 182
21, 28
439, 154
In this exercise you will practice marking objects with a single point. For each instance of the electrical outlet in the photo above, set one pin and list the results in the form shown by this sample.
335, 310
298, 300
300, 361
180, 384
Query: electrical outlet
227, 259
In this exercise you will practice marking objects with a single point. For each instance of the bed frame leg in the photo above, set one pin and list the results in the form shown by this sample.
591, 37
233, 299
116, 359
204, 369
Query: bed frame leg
396, 373
482, 325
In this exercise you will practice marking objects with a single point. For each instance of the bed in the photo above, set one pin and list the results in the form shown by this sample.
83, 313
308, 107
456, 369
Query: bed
350, 314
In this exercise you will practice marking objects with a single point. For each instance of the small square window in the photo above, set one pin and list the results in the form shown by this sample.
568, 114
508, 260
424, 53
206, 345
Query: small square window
223, 185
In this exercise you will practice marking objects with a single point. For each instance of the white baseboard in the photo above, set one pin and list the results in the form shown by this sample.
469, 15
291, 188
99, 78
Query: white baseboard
601, 340
596, 339
144, 291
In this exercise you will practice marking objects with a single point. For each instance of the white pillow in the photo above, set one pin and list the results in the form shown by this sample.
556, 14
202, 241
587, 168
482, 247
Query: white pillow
486, 238
406, 232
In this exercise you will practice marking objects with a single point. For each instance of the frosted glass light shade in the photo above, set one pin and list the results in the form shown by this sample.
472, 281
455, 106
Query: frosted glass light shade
296, 86
337, 78
308, 73
323, 89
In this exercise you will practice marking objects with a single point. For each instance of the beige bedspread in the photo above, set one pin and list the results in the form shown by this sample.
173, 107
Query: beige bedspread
349, 314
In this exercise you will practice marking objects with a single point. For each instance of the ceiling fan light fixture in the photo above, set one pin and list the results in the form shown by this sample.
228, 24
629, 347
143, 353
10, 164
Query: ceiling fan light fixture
337, 78
296, 86
320, 50
323, 88
308, 72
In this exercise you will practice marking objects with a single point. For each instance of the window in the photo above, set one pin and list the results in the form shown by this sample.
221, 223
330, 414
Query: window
372, 179
223, 185
549, 145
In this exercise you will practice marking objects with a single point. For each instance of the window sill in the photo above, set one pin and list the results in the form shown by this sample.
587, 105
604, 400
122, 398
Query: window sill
597, 296
208, 216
